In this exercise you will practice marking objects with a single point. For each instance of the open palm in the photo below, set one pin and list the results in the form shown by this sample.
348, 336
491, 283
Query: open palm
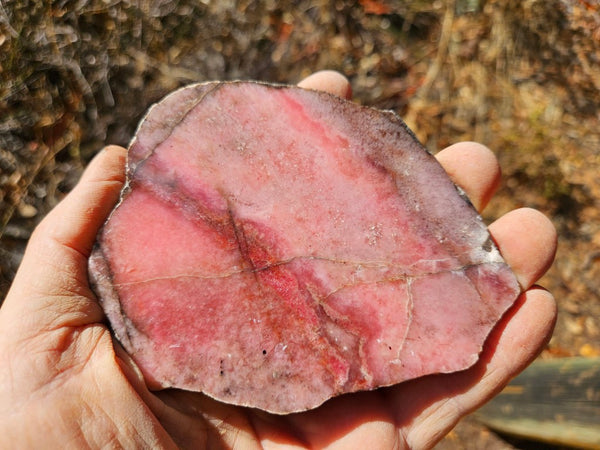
65, 383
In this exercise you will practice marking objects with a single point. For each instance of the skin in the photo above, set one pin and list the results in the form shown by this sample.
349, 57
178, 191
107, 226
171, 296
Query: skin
64, 382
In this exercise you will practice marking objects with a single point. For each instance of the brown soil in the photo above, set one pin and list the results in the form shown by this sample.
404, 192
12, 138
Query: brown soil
521, 77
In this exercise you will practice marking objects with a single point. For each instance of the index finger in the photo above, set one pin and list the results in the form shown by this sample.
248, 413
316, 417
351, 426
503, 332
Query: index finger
328, 81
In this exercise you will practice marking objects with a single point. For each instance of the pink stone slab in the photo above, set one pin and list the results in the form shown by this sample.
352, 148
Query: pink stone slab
275, 247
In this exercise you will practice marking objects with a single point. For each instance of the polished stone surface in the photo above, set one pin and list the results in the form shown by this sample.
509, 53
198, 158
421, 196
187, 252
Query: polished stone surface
275, 247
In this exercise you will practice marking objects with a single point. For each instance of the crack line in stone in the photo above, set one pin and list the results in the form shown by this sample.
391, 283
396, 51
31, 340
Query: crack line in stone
399, 277
409, 307
133, 169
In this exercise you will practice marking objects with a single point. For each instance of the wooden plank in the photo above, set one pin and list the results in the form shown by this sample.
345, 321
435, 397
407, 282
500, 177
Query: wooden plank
555, 401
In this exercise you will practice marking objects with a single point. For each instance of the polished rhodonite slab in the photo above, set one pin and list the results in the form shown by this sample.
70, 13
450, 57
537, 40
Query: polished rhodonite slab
275, 247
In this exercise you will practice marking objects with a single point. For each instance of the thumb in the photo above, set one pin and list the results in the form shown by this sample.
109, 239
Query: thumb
51, 289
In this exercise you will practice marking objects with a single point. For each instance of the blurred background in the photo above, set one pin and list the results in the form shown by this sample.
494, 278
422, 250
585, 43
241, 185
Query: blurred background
522, 77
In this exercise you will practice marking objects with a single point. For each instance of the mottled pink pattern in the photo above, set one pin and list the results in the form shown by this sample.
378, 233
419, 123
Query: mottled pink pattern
275, 247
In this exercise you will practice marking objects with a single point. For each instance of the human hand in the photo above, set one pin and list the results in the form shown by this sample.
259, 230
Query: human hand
64, 382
